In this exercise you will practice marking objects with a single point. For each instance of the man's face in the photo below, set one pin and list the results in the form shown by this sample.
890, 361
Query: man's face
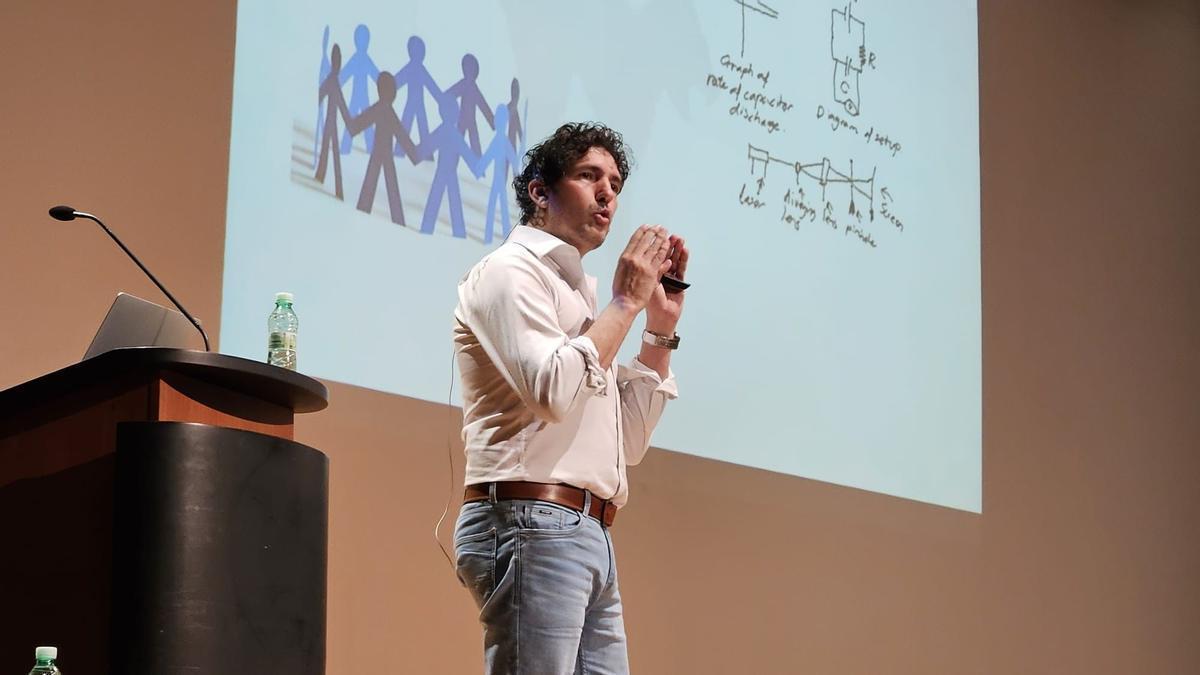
580, 208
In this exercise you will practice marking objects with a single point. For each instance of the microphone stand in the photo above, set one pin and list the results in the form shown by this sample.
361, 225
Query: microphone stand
61, 213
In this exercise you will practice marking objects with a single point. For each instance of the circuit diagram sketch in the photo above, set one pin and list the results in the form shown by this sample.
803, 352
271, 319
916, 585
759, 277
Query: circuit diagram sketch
823, 173
758, 6
848, 47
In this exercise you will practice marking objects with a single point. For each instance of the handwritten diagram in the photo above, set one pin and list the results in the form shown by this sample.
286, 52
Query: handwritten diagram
825, 175
826, 187
758, 6
848, 47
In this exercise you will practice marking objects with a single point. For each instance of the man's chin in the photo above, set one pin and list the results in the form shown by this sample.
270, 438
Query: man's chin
598, 234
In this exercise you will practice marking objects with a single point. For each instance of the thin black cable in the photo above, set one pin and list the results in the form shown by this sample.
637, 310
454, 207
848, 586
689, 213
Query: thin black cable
450, 462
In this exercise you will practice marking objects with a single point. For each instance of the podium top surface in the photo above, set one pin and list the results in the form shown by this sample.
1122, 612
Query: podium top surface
283, 387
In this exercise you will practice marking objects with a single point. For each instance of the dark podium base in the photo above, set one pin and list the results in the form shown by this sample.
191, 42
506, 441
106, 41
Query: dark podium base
156, 517
56, 567
219, 552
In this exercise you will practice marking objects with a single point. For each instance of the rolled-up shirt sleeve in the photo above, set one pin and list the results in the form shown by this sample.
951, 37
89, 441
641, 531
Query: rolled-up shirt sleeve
510, 308
644, 394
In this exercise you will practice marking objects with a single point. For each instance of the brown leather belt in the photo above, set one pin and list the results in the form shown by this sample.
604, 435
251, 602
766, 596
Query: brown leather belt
555, 493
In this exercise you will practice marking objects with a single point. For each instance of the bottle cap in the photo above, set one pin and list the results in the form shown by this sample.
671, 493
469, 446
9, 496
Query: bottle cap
284, 296
46, 653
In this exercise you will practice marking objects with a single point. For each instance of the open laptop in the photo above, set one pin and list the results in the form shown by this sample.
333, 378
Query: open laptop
134, 322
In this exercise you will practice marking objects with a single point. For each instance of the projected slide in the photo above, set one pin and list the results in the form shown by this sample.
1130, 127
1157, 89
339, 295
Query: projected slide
821, 158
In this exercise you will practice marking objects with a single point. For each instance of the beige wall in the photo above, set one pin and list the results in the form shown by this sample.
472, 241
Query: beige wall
1085, 558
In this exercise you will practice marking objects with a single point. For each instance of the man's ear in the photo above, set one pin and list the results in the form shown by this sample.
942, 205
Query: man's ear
537, 192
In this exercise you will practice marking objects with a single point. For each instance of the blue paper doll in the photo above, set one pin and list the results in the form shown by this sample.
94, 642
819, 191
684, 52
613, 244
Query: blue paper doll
448, 143
416, 77
359, 68
501, 155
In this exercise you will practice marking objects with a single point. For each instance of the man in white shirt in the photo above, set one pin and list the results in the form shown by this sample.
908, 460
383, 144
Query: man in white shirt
549, 424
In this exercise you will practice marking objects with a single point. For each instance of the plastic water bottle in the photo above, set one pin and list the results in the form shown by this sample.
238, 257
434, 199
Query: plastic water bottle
45, 661
282, 327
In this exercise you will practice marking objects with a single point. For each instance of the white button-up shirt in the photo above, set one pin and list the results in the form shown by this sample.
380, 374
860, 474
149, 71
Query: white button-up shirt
537, 405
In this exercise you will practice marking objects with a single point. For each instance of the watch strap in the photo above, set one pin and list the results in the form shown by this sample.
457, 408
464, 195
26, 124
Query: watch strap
664, 341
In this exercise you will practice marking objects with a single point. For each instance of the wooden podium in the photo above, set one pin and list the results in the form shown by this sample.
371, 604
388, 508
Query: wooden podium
156, 517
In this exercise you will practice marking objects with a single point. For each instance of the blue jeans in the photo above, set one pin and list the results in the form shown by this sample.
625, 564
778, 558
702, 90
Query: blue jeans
545, 580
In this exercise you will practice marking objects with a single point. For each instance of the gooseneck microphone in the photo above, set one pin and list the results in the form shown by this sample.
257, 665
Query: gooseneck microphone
67, 213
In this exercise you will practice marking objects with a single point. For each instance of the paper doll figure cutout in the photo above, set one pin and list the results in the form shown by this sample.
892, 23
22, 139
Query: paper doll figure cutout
516, 132
466, 93
447, 141
359, 68
501, 156
416, 77
381, 118
335, 104
324, 73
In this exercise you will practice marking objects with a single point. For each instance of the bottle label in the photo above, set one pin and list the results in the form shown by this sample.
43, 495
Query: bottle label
281, 341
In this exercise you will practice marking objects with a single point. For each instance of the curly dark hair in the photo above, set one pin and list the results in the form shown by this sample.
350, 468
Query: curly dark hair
551, 158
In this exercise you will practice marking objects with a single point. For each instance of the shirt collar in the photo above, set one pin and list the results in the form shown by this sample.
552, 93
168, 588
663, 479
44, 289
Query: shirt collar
545, 245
